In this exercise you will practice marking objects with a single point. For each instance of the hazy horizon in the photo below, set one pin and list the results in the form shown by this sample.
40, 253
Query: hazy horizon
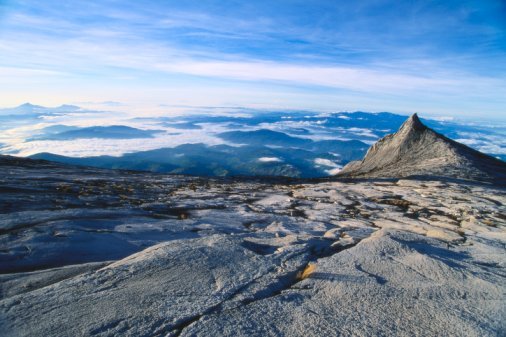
438, 59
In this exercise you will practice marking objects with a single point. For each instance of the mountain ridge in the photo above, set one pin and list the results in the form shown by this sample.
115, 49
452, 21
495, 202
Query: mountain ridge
416, 149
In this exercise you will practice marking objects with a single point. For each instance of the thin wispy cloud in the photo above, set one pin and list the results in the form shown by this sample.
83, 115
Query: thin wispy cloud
371, 52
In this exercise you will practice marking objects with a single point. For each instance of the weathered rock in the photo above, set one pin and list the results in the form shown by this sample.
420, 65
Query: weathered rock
392, 284
416, 150
402, 257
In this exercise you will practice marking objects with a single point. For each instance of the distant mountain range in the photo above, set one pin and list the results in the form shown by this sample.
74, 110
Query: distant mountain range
29, 109
242, 142
225, 160
63, 132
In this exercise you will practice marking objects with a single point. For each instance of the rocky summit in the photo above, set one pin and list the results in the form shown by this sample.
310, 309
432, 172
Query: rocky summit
416, 149
95, 252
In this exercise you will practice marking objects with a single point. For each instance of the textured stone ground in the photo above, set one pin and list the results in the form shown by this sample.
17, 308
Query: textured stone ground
102, 253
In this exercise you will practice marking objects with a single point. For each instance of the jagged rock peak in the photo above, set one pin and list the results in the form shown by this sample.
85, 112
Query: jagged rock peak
413, 123
416, 149
410, 130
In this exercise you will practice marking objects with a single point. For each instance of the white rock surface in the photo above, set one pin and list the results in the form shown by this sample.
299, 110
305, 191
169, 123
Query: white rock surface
392, 284
87, 252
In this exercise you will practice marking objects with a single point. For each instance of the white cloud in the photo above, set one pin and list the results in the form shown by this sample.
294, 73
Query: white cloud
443, 118
269, 160
74, 56
113, 147
334, 171
333, 167
325, 162
352, 78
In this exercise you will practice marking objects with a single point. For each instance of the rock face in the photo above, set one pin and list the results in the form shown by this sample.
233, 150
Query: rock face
416, 150
91, 252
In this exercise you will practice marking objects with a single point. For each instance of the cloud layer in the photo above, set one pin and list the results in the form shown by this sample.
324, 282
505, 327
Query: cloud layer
373, 55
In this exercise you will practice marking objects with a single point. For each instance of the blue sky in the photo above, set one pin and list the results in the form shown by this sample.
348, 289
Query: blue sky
434, 57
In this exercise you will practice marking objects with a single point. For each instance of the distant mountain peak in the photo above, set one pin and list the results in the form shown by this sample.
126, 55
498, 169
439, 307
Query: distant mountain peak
68, 107
416, 149
29, 105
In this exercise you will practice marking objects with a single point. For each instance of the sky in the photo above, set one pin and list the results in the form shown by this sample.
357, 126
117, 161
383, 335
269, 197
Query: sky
440, 58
